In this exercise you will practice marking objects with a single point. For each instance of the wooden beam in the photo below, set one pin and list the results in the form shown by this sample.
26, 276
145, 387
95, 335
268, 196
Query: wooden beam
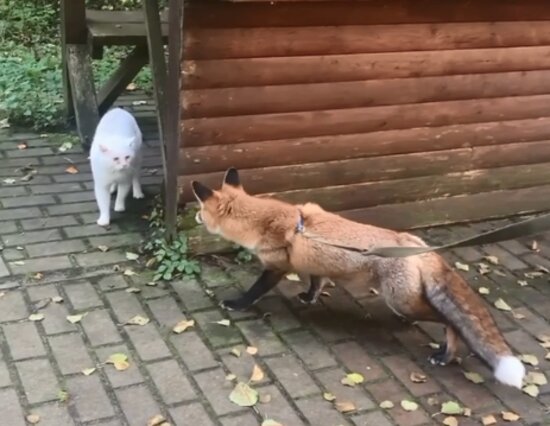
118, 81
173, 113
83, 90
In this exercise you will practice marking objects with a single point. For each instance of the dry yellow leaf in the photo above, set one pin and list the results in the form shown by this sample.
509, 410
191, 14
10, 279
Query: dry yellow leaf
103, 248
502, 305
547, 356
88, 371
230, 377
119, 360
483, 269
38, 276
544, 338
492, 259
345, 406
352, 379
293, 277
534, 245
73, 319
257, 374
71, 170
329, 397
181, 326
522, 283
536, 378
529, 359
133, 290
265, 398
138, 320
488, 420
157, 420
36, 317
33, 418
236, 352
271, 422
409, 405
462, 266
129, 272
483, 290
224, 322
509, 416
473, 377
243, 395
386, 405
517, 315
450, 421
418, 377
57, 299
252, 350
531, 390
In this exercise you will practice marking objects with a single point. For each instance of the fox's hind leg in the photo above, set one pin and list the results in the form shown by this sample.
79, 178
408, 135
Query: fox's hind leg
446, 354
316, 285
265, 282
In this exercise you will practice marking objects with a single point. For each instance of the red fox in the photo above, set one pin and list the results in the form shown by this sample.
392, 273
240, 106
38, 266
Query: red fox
421, 287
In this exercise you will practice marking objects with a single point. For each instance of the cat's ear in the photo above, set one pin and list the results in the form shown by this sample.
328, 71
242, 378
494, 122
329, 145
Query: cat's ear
202, 192
231, 178
103, 148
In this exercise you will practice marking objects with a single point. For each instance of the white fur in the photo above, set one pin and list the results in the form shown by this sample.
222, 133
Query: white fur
510, 371
115, 158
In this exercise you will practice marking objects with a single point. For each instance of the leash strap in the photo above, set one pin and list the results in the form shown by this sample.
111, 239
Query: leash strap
508, 232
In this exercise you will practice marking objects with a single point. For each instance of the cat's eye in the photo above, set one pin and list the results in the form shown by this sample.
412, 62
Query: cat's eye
127, 157
116, 158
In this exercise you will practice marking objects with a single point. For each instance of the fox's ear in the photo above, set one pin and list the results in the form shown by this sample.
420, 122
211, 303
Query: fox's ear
231, 177
202, 193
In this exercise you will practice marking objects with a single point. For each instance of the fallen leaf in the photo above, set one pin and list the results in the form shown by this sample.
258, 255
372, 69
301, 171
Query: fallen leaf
57, 299
502, 305
133, 290
483, 290
151, 284
345, 406
499, 273
529, 359
137, 103
236, 352
522, 283
181, 326
352, 379
534, 245
543, 269
132, 256
88, 371
509, 416
532, 275
271, 422
131, 87
547, 356
483, 269
374, 291
119, 360
433, 401
224, 322
103, 248
71, 170
2, 294
329, 397
451, 407
243, 395
36, 317
467, 412
257, 374
473, 377
252, 350
138, 320
450, 421
157, 420
531, 390
462, 266
38, 276
129, 272
488, 420
63, 396
386, 405
409, 405
264, 398
536, 378
230, 377
9, 181
73, 319
492, 259
33, 418
517, 315
433, 345
418, 377
65, 146
544, 338
293, 277
22, 146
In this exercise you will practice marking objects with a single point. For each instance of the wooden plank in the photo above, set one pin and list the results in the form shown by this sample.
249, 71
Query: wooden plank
118, 81
219, 43
214, 158
375, 169
206, 74
254, 128
219, 14
448, 210
358, 94
83, 90
172, 134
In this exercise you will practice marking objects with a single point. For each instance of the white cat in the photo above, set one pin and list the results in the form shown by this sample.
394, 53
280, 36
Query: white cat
115, 158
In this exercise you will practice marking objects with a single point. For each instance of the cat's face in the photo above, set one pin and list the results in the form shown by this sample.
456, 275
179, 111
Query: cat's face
121, 157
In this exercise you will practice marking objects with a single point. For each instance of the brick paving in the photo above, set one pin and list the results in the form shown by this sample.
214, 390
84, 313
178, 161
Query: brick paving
47, 227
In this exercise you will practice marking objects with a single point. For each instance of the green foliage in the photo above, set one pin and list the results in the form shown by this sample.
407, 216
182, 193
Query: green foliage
243, 255
169, 259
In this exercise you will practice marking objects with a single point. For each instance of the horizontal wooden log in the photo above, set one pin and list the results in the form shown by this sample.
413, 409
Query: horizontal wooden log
349, 197
254, 128
358, 94
374, 169
268, 14
449, 210
219, 43
206, 74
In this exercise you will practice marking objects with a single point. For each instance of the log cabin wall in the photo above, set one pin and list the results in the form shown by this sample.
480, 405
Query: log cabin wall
400, 113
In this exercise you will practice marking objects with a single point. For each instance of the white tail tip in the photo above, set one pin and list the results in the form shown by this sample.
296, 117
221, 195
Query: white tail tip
510, 371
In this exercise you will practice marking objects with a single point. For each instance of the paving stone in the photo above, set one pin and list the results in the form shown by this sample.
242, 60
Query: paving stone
401, 367
31, 237
217, 335
171, 382
80, 177
137, 404
42, 264
88, 260
56, 188
70, 353
331, 380
100, 328
312, 353
279, 408
9, 227
28, 200
216, 389
116, 240
376, 418
192, 295
21, 213
10, 255
64, 209
10, 408
30, 152
292, 376
58, 247
125, 305
38, 380
48, 222
55, 319
112, 282
11, 191
193, 351
280, 317
357, 360
260, 335
53, 415
76, 197
192, 414
317, 411
166, 312
148, 342
5, 379
130, 376
89, 230
247, 419
23, 340
12, 307
89, 397
82, 296
4, 271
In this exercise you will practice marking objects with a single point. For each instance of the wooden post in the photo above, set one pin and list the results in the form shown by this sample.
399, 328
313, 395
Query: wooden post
173, 112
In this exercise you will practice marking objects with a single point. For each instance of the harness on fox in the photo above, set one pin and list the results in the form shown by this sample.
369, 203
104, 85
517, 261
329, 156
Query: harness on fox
509, 232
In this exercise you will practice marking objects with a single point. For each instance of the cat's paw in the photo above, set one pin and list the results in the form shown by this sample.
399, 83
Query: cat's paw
103, 222
120, 208
138, 195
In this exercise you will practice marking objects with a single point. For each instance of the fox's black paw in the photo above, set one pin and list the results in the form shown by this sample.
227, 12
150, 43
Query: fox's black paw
307, 299
441, 357
235, 305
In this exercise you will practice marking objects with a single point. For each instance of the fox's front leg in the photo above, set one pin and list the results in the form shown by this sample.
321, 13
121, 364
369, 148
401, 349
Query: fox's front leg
265, 282
316, 285
446, 354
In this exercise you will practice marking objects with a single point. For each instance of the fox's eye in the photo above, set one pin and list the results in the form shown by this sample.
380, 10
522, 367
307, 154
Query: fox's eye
116, 158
